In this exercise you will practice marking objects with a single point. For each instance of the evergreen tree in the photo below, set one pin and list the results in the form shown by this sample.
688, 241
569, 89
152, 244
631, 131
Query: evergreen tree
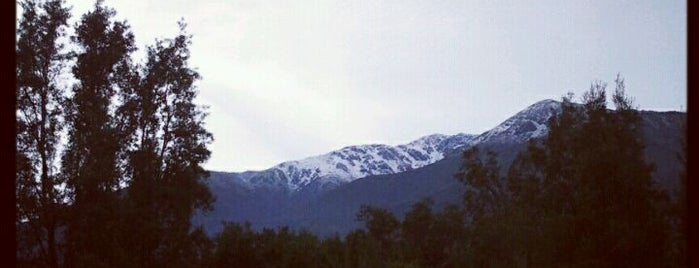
41, 58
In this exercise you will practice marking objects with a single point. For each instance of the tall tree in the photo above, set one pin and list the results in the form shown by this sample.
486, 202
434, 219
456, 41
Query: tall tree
415, 230
603, 189
487, 205
583, 196
41, 58
166, 147
95, 138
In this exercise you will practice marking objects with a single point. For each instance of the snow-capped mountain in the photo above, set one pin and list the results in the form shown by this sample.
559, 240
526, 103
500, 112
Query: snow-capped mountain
354, 162
323, 193
528, 123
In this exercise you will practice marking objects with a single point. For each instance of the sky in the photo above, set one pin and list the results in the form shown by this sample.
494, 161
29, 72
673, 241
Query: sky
287, 79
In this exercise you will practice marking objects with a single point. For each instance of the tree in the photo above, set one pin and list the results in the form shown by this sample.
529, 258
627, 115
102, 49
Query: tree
446, 237
234, 247
166, 147
41, 58
381, 226
582, 196
416, 229
597, 182
486, 193
135, 142
487, 203
363, 250
94, 149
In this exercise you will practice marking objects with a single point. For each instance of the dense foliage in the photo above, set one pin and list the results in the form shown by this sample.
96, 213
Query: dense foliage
423, 239
582, 196
109, 174
129, 176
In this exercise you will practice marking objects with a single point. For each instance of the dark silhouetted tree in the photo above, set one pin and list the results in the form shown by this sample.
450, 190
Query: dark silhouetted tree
165, 150
41, 59
583, 196
487, 206
381, 226
130, 175
95, 140
363, 250
415, 230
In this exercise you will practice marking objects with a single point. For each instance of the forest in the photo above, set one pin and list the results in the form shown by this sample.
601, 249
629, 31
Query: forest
109, 154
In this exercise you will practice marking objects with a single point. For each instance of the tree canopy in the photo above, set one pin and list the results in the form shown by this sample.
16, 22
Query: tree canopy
581, 196
129, 137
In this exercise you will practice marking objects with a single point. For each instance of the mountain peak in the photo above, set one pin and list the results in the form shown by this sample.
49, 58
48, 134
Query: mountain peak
543, 106
526, 124
545, 102
353, 162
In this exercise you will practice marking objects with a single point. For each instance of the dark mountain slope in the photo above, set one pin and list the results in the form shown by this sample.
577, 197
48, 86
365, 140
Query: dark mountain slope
326, 210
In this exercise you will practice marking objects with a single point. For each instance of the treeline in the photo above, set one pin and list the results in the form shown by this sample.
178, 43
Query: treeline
109, 155
424, 238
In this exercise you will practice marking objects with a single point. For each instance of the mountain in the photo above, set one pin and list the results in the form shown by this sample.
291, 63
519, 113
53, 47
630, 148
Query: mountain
353, 162
265, 197
527, 124
323, 193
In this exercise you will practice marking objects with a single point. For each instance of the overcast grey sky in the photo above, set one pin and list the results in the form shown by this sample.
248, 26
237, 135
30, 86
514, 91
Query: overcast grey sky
289, 79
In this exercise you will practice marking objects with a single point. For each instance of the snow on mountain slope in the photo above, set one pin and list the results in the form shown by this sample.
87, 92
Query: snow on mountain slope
529, 123
354, 162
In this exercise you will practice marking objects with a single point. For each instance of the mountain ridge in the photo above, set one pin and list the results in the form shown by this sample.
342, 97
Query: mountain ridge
358, 161
327, 204
354, 162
